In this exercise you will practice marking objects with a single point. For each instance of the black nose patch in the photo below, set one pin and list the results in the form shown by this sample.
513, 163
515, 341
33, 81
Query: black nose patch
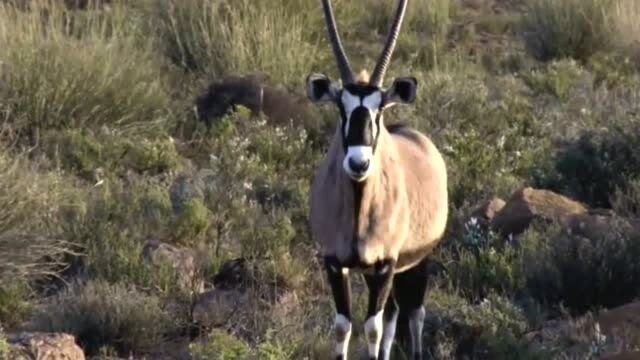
359, 132
359, 166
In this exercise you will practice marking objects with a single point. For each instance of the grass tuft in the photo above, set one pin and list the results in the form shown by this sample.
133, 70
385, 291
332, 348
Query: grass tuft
555, 29
237, 37
68, 68
99, 313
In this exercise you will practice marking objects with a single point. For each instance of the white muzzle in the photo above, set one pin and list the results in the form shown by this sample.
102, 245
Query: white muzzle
358, 162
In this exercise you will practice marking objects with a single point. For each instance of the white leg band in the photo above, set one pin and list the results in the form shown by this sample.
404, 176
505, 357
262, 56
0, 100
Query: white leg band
389, 336
416, 323
373, 331
342, 328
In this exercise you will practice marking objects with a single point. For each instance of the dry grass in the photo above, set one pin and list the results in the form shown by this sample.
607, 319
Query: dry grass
68, 68
28, 247
625, 21
250, 36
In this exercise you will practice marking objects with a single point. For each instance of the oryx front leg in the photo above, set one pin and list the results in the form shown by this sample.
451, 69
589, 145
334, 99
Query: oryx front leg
379, 284
341, 289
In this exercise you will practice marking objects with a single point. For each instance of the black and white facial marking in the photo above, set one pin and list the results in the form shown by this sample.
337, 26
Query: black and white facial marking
361, 109
361, 115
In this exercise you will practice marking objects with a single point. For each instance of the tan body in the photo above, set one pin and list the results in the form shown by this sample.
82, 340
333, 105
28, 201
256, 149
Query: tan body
403, 210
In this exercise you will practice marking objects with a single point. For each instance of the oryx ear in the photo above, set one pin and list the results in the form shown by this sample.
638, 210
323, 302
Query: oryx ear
403, 91
320, 89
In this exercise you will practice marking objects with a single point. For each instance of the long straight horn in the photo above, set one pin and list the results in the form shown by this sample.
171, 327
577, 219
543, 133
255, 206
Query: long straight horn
392, 37
343, 63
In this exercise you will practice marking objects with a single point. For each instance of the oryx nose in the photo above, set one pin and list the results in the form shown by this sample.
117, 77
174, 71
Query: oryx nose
359, 165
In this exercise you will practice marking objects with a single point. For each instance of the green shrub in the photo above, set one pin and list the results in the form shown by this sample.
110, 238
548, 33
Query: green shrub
459, 329
592, 167
220, 345
4, 346
150, 155
193, 221
625, 201
559, 79
98, 314
613, 70
272, 348
257, 192
95, 72
110, 224
586, 274
14, 304
85, 152
554, 29
489, 133
480, 263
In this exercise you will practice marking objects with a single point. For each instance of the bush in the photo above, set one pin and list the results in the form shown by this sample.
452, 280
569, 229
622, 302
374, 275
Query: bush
613, 70
255, 186
559, 79
489, 133
78, 69
4, 346
86, 153
98, 313
193, 221
458, 329
220, 345
110, 223
29, 245
482, 264
14, 304
592, 167
554, 29
586, 274
625, 201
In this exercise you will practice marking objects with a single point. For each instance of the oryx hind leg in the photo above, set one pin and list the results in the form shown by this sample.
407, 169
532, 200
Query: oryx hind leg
409, 288
390, 317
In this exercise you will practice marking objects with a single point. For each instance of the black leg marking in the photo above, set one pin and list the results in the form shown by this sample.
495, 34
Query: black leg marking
409, 288
341, 290
379, 284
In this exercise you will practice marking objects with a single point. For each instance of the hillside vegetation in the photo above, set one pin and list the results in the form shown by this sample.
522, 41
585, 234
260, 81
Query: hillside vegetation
153, 215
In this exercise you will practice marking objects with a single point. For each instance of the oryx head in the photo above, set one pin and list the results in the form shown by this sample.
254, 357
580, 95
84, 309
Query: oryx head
362, 101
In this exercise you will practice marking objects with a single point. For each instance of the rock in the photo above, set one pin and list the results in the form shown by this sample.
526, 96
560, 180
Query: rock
180, 260
488, 209
528, 204
44, 346
614, 329
625, 355
216, 307
622, 321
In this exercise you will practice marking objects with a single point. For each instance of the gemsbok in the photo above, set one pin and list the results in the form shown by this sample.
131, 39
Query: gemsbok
379, 202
